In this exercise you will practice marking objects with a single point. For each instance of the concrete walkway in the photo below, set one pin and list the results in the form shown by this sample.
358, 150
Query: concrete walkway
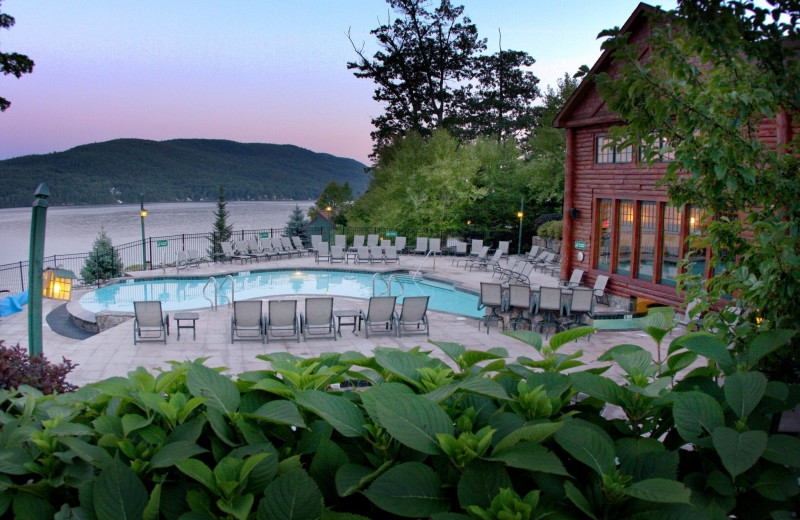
112, 353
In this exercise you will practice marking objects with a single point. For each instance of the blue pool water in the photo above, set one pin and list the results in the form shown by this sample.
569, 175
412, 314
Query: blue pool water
184, 293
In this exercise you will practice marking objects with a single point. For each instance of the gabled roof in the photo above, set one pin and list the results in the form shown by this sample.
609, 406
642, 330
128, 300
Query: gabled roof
603, 63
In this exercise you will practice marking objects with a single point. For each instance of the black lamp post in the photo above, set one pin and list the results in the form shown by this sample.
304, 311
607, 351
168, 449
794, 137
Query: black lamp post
142, 214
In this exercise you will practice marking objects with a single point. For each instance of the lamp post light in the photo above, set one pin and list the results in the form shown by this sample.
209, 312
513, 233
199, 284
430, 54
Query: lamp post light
143, 214
35, 261
520, 214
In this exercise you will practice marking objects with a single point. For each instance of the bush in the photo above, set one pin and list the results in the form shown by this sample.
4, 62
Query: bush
547, 217
483, 436
552, 229
17, 369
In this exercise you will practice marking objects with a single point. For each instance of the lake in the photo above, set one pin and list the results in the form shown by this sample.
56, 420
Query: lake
73, 229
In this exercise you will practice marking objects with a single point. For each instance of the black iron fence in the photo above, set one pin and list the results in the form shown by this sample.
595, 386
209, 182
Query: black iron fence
162, 251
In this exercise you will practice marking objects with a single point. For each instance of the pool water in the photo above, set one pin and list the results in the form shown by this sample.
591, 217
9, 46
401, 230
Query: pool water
185, 293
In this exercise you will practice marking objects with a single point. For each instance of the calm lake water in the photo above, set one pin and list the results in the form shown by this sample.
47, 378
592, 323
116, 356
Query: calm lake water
73, 229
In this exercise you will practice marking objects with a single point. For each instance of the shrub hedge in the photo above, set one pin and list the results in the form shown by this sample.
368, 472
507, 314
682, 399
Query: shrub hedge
482, 436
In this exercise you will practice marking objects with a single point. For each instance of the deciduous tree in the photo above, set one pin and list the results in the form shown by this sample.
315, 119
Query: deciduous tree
12, 62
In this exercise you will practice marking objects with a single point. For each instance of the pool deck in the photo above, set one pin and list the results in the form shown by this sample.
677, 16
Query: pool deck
112, 352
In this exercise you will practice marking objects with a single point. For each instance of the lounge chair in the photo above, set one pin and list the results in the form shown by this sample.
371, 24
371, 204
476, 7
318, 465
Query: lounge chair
503, 246
543, 260
459, 251
491, 298
323, 252
298, 244
475, 247
247, 322
276, 248
519, 298
522, 275
486, 263
230, 254
390, 254
574, 279
363, 255
538, 258
435, 246
282, 318
480, 257
148, 320
286, 245
181, 260
340, 241
422, 246
358, 241
380, 315
400, 244
553, 266
385, 242
317, 320
194, 258
337, 255
256, 250
599, 289
243, 250
413, 314
372, 240
315, 241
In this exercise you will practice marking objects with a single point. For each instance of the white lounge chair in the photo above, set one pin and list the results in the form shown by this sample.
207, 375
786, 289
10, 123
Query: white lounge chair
298, 244
362, 255
323, 252
317, 320
340, 241
247, 321
372, 240
422, 246
599, 289
337, 254
435, 246
380, 315
390, 254
574, 279
282, 319
413, 313
400, 244
149, 320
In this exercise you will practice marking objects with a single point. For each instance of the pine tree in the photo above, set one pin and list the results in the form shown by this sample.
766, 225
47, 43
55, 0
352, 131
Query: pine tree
297, 225
221, 232
103, 262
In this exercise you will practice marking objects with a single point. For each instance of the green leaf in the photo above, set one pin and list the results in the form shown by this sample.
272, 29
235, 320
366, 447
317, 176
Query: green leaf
625, 348
29, 507
777, 483
405, 365
660, 490
472, 357
340, 413
709, 346
534, 433
634, 363
480, 483
532, 457
411, 419
325, 464
200, 472
91, 453
485, 387
292, 496
220, 391
453, 350
132, 422
588, 444
153, 504
118, 493
280, 412
411, 489
738, 451
171, 453
767, 342
599, 387
351, 478
576, 497
567, 336
784, 450
743, 391
696, 412
530, 337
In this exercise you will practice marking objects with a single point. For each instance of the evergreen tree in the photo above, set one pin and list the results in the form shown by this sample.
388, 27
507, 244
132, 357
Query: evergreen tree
221, 231
104, 261
297, 225
12, 62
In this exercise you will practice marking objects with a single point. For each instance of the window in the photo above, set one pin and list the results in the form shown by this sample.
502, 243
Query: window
671, 245
662, 147
625, 237
696, 252
606, 152
604, 234
647, 240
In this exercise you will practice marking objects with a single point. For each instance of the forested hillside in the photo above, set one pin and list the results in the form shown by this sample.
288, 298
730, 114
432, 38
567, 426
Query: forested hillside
181, 169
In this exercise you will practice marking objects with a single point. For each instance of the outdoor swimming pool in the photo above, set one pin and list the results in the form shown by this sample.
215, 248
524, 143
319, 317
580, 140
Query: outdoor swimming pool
187, 293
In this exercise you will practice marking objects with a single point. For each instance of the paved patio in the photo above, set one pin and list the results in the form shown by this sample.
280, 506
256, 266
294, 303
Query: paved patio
112, 353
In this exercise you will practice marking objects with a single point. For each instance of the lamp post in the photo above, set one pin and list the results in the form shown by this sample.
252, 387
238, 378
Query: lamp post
142, 214
520, 214
35, 262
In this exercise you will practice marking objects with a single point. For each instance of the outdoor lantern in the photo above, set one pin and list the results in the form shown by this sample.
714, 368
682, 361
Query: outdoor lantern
328, 209
58, 283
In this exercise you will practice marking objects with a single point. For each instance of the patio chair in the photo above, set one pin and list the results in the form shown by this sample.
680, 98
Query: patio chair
400, 244
337, 255
323, 252
413, 314
276, 248
247, 322
358, 241
422, 246
317, 320
480, 257
435, 246
372, 240
531, 255
486, 263
390, 254
548, 308
581, 306
230, 254
543, 259
459, 251
554, 266
240, 246
523, 275
491, 299
149, 320
340, 241
256, 250
379, 317
315, 241
195, 258
385, 242
574, 279
519, 298
600, 289
503, 246
363, 255
181, 260
476, 246
281, 320
298, 244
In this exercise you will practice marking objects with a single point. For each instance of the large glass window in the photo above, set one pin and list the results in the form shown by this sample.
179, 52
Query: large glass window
604, 212
625, 237
696, 248
671, 245
647, 240
606, 152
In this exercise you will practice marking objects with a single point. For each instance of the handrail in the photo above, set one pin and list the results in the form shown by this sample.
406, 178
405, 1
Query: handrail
388, 291
214, 301
423, 263
222, 290
402, 287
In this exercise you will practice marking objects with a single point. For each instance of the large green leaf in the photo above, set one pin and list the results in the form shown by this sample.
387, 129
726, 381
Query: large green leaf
453, 350
535, 433
532, 457
91, 453
405, 365
199, 471
564, 337
738, 451
767, 342
411, 419
411, 489
324, 466
292, 496
485, 387
220, 391
576, 497
351, 478
743, 391
660, 490
534, 339
171, 453
481, 482
600, 387
30, 507
783, 449
118, 493
588, 444
708, 346
340, 413
280, 411
696, 412
777, 483
634, 363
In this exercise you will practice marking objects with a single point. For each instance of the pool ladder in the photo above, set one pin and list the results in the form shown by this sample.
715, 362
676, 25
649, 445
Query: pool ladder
219, 291
388, 283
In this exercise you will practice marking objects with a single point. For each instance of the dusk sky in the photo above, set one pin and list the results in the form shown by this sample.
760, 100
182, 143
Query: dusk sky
262, 71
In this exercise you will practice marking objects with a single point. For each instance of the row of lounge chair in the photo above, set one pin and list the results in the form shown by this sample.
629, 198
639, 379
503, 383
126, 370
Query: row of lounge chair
250, 323
372, 241
263, 248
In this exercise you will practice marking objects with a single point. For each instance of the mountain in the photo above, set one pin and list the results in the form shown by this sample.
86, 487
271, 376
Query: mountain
180, 169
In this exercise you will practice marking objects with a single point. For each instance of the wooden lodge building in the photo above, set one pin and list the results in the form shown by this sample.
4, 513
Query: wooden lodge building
616, 221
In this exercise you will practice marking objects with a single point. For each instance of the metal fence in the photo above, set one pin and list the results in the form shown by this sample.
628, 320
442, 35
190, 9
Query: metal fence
162, 250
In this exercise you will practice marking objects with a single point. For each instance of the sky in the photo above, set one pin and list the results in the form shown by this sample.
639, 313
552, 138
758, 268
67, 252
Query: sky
256, 71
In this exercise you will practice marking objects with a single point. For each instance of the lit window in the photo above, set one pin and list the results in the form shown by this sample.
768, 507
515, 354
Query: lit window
604, 234
647, 240
671, 245
607, 153
625, 237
